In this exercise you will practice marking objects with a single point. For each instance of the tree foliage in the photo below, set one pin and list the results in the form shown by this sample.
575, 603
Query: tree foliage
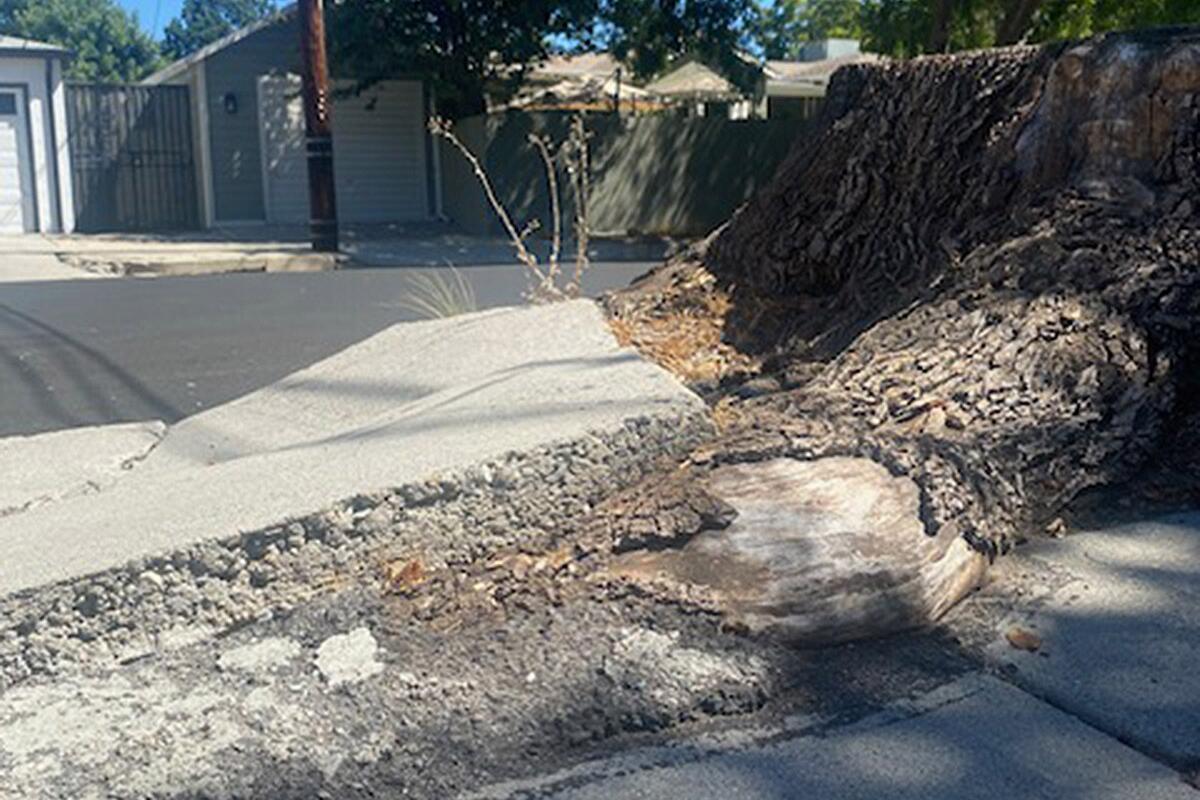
650, 34
106, 41
466, 46
912, 27
203, 21
474, 47
782, 27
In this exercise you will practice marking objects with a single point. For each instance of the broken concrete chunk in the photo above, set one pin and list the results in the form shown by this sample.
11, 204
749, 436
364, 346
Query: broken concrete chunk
820, 551
349, 658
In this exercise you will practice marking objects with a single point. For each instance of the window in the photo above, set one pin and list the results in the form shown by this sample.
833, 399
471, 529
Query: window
8, 104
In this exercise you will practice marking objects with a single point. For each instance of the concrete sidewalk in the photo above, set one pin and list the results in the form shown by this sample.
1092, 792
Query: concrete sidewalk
272, 248
1105, 703
414, 401
36, 470
976, 739
1117, 610
31, 257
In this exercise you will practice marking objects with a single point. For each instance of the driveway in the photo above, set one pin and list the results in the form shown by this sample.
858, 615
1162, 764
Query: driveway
102, 351
32, 258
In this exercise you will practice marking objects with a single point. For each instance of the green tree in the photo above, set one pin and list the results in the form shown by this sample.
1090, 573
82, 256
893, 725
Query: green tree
650, 34
911, 27
106, 41
476, 48
782, 27
467, 47
1060, 20
203, 21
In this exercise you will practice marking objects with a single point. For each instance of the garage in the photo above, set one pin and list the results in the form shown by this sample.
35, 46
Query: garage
35, 173
378, 145
248, 134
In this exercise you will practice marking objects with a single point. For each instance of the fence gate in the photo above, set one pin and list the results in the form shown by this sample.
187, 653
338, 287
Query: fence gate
131, 158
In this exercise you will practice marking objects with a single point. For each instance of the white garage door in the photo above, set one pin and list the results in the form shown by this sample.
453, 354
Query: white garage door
16, 197
378, 152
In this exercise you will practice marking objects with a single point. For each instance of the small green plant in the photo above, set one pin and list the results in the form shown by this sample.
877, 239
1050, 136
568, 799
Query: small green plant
436, 295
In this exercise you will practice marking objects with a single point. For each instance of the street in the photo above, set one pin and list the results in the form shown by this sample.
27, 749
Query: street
100, 351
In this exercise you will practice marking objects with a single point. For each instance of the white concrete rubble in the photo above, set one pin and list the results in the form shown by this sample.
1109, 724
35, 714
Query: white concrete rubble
349, 657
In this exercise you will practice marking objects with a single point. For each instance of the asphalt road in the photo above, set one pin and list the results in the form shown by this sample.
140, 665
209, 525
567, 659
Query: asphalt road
100, 351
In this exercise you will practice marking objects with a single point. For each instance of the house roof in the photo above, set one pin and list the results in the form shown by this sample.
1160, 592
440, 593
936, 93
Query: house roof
814, 72
581, 65
693, 79
179, 68
16, 46
573, 92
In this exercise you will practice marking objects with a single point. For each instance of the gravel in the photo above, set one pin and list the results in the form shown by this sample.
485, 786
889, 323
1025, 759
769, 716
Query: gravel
154, 604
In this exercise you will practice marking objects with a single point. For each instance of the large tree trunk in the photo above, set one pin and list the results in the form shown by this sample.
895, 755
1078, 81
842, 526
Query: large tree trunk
1014, 25
939, 26
981, 272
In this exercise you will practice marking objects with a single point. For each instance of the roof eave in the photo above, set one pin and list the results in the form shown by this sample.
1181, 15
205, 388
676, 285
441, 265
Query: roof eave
180, 67
51, 53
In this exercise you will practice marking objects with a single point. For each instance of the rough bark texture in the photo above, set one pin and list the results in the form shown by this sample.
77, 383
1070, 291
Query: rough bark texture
980, 271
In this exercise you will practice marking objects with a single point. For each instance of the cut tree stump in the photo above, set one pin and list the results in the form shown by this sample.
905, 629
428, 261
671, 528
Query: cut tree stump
977, 270
820, 551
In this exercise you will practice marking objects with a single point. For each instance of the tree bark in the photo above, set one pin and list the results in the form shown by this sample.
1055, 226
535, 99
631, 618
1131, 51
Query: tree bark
978, 272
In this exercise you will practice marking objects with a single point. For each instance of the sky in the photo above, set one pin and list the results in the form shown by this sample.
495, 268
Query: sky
154, 14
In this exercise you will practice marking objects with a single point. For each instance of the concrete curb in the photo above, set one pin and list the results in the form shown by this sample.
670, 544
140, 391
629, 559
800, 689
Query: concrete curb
220, 263
178, 597
318, 479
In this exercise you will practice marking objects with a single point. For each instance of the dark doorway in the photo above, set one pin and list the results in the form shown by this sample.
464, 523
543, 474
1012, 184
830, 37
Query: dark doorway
132, 158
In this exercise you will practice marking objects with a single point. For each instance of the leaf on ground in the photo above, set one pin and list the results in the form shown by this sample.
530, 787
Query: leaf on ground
1057, 528
405, 575
1023, 639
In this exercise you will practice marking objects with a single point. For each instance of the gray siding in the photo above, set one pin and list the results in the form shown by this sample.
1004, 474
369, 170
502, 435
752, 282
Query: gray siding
379, 152
235, 144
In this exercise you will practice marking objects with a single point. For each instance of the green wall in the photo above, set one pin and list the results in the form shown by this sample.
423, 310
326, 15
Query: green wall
658, 174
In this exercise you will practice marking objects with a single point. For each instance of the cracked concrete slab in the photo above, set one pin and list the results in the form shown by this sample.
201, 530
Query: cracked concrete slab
1115, 611
479, 387
976, 739
40, 469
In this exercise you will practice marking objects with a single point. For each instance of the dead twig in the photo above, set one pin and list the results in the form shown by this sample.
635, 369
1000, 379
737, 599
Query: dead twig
574, 155
543, 149
442, 128
577, 158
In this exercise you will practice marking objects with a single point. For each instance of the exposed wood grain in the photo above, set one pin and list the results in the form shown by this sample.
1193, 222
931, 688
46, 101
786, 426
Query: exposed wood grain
819, 552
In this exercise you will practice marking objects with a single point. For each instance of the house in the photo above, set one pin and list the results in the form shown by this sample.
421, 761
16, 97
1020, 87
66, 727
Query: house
581, 67
248, 134
578, 82
795, 89
784, 89
35, 166
702, 91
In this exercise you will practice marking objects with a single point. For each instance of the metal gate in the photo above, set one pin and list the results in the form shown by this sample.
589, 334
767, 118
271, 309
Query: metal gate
132, 158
